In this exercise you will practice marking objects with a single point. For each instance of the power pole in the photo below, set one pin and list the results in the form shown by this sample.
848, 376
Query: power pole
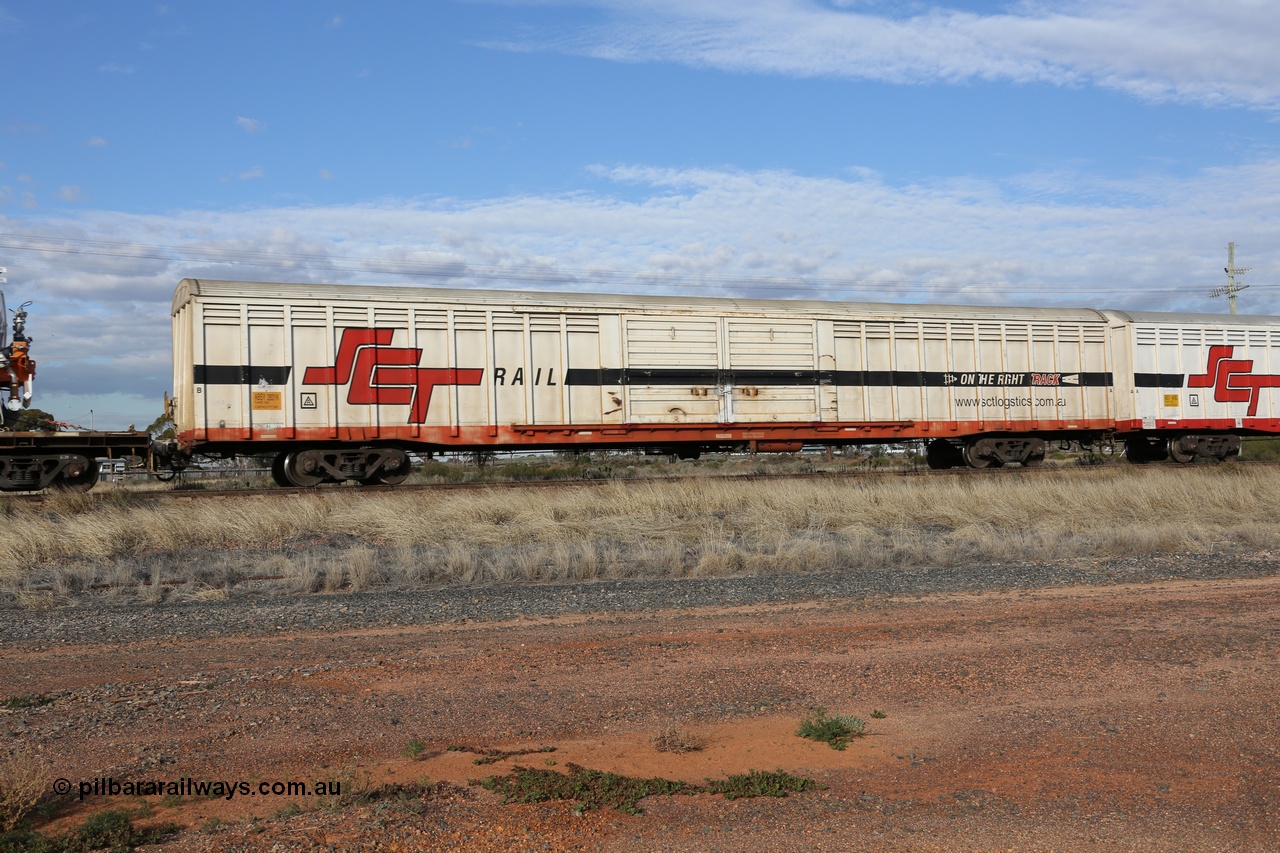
1231, 288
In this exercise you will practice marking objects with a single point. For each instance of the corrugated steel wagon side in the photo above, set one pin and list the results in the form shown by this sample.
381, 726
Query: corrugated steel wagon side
1189, 385
341, 382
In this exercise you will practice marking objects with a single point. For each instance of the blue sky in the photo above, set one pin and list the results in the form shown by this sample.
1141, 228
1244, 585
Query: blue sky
1082, 153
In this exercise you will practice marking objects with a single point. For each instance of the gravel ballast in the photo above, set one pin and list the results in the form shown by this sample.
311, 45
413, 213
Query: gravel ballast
100, 618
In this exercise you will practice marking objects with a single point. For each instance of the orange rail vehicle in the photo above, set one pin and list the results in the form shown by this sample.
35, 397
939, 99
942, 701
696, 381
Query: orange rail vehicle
17, 362
45, 457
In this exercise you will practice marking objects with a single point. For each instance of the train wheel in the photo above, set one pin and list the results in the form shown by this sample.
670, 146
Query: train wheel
294, 468
80, 482
973, 460
1180, 453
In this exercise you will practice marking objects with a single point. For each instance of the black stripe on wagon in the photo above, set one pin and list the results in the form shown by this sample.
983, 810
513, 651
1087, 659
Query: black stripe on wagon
240, 374
848, 378
706, 376
970, 379
1158, 380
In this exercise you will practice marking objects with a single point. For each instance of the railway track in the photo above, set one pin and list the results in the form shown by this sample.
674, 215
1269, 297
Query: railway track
197, 494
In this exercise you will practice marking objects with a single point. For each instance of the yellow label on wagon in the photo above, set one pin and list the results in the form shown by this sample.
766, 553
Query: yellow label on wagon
1171, 401
267, 400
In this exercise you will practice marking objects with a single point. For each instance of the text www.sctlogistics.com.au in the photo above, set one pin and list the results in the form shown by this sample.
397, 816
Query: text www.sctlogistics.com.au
188, 787
1008, 402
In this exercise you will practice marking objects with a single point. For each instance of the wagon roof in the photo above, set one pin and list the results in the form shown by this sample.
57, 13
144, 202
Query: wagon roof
1168, 318
525, 300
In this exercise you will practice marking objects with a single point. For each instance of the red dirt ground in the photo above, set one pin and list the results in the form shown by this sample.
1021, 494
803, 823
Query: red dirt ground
1106, 718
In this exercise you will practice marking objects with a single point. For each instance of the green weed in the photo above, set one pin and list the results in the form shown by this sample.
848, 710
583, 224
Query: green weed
591, 789
836, 731
594, 789
758, 783
112, 830
414, 748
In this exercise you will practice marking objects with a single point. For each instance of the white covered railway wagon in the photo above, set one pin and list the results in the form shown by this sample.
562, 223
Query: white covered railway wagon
339, 381
1188, 385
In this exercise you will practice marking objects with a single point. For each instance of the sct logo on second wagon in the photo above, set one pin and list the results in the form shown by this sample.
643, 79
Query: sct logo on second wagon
1233, 379
381, 374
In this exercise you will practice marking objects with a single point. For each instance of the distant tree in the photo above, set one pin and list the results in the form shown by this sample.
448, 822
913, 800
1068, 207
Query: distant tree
161, 427
29, 420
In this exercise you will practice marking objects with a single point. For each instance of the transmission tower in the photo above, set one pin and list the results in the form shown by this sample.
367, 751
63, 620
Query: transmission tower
1232, 287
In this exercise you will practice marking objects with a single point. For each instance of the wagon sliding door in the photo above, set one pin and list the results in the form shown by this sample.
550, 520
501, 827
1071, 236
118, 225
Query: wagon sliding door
773, 370
672, 368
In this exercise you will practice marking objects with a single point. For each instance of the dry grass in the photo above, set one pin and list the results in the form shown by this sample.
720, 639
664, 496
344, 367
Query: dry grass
23, 781
341, 540
677, 739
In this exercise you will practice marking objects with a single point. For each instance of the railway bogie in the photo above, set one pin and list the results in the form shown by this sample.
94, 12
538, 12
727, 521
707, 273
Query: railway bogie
368, 466
42, 470
1183, 449
30, 461
987, 452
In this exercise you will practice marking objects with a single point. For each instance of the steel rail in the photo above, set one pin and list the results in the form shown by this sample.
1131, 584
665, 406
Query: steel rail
180, 493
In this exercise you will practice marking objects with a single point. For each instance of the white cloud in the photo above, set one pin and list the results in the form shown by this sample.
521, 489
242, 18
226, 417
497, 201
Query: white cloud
1185, 50
251, 125
117, 68
326, 175
96, 142
336, 22
69, 192
253, 174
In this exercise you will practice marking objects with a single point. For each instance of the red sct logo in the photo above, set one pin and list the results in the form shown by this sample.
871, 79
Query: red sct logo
1232, 379
383, 375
